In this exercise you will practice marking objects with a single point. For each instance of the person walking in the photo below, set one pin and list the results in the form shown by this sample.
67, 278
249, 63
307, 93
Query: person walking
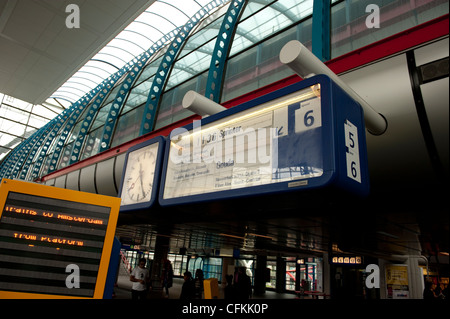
140, 278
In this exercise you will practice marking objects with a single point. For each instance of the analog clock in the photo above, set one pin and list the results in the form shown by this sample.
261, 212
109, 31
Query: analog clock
138, 180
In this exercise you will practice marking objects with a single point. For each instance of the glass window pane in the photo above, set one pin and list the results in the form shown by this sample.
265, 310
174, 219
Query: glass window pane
102, 114
128, 126
171, 109
92, 143
268, 21
348, 21
44, 112
14, 113
6, 139
191, 65
138, 95
13, 128
149, 70
196, 54
65, 155
37, 121
260, 65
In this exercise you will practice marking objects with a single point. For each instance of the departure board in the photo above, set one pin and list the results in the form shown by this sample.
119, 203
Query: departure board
54, 243
309, 135
277, 141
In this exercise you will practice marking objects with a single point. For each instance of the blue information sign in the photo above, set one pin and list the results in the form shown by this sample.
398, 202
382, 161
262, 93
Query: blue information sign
309, 135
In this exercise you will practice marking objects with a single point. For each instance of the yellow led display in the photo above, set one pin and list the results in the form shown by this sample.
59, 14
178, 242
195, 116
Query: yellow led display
54, 243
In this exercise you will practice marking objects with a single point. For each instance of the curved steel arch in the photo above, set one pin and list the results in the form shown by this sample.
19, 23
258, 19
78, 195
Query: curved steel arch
111, 55
118, 102
78, 109
118, 48
66, 97
101, 61
9, 163
79, 83
280, 8
171, 5
140, 34
33, 148
158, 15
73, 88
90, 115
32, 153
34, 143
17, 159
150, 26
221, 50
61, 97
126, 40
86, 72
58, 122
161, 76
49, 132
123, 92
87, 79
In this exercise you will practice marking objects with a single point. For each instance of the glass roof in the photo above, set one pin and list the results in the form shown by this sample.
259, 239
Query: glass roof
19, 120
159, 20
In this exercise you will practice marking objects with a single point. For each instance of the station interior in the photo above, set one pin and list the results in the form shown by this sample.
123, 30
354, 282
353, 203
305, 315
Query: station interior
74, 100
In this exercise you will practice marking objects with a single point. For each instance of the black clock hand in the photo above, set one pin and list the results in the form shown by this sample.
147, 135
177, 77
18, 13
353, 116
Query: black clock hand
141, 172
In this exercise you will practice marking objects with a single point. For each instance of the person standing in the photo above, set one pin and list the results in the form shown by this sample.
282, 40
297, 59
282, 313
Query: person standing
167, 276
198, 284
242, 284
140, 278
188, 288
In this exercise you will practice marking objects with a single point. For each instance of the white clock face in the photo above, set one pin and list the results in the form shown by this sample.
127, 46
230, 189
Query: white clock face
140, 170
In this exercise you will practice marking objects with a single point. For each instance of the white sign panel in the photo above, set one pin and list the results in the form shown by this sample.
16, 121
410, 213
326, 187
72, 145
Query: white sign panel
352, 156
274, 142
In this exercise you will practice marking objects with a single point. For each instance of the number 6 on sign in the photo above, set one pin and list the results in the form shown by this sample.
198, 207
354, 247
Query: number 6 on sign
308, 116
352, 155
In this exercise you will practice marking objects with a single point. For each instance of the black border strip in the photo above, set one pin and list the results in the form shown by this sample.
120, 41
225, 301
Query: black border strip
414, 74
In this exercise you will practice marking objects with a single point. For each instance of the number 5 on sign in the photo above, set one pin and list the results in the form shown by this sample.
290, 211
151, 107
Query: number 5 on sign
352, 156
308, 116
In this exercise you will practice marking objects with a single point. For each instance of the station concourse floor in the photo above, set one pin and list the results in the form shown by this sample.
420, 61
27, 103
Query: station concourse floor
123, 290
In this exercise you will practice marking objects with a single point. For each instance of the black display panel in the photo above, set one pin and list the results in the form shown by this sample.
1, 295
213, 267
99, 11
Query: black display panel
52, 246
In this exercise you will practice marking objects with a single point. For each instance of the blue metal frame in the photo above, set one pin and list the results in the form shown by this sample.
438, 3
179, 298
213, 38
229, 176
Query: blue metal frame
10, 163
321, 32
77, 109
119, 100
18, 161
90, 116
164, 69
34, 142
12, 160
15, 162
53, 130
221, 49
24, 154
